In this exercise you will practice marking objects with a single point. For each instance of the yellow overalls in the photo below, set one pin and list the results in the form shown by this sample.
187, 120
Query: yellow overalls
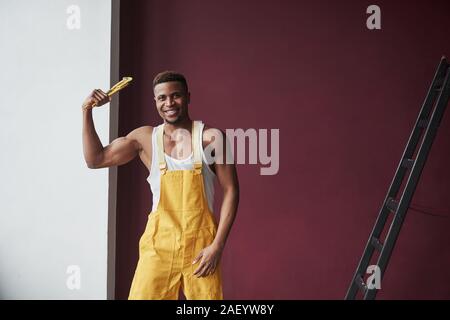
181, 226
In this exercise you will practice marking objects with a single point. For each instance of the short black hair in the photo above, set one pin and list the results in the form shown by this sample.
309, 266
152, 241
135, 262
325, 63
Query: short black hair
167, 76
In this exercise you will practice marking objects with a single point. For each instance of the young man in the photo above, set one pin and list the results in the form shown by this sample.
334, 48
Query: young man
182, 243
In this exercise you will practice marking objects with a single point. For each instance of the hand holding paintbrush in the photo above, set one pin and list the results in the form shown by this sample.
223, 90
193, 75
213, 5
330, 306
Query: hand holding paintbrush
98, 98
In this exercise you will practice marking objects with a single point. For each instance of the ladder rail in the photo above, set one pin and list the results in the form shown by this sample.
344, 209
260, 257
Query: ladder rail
395, 185
414, 137
412, 182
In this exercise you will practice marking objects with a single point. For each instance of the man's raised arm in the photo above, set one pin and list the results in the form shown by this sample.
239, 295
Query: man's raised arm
120, 151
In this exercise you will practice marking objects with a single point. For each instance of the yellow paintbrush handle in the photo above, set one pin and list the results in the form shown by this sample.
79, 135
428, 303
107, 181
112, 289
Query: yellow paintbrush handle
117, 87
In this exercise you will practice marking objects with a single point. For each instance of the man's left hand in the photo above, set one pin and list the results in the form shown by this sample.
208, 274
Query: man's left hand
210, 257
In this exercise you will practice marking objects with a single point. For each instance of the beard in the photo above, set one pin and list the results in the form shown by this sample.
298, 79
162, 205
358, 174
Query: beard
178, 119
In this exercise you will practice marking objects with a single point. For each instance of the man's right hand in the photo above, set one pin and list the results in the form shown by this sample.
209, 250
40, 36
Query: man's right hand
97, 97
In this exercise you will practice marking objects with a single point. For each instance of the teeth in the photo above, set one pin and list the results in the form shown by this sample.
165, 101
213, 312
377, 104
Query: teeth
172, 112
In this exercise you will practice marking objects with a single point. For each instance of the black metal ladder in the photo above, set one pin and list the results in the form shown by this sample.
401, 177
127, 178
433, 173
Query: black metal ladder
396, 202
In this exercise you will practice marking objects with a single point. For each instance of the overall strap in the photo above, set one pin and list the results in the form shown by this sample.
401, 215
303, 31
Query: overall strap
160, 146
197, 146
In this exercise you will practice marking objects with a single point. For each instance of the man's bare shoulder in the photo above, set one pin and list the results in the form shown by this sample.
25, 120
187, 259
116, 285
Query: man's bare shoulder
141, 134
211, 135
210, 132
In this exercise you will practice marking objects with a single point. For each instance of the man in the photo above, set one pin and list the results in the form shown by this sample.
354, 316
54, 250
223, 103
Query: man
182, 243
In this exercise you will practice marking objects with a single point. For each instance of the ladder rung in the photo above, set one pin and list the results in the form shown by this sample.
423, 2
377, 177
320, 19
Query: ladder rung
423, 123
407, 163
376, 243
361, 284
392, 205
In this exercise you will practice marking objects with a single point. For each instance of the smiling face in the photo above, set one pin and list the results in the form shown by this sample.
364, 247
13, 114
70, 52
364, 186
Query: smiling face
172, 101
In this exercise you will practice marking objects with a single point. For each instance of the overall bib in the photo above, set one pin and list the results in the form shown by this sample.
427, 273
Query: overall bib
176, 232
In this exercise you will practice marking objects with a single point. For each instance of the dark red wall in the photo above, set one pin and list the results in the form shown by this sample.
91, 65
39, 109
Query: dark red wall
344, 98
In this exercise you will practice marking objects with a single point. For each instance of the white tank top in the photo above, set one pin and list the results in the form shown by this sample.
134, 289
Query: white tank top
175, 164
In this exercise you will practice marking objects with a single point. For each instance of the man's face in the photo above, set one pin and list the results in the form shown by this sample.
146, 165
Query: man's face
171, 101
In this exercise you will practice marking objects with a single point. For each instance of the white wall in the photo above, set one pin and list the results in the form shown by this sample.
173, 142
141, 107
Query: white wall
53, 209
